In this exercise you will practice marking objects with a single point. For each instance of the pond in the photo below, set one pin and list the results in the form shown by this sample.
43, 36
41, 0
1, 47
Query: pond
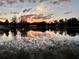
37, 44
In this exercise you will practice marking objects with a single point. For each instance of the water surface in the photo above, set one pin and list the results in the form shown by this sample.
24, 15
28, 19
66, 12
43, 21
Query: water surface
37, 44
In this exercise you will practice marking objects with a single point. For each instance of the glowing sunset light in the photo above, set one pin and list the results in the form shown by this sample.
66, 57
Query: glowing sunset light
32, 33
40, 9
37, 18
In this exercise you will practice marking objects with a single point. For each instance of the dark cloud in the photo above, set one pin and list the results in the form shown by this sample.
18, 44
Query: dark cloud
42, 0
60, 1
11, 1
68, 12
55, 2
26, 10
64, 0
50, 15
1, 3
15, 12
22, 1
30, 1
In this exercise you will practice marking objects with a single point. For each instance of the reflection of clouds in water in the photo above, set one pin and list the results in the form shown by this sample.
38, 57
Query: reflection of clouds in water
37, 39
10, 37
5, 38
39, 33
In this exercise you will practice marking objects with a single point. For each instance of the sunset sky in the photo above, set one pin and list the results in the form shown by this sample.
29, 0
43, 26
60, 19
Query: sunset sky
57, 9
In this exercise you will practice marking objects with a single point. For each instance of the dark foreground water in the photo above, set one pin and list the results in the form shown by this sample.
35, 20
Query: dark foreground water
32, 44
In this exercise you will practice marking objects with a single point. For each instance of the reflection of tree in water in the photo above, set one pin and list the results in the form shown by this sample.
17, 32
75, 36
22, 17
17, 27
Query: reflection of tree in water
73, 32
14, 32
70, 32
4, 31
7, 32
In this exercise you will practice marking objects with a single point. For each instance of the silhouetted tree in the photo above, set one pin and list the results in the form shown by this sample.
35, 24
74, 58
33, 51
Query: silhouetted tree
6, 22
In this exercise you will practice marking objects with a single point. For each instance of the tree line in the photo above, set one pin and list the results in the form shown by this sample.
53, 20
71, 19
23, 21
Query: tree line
61, 24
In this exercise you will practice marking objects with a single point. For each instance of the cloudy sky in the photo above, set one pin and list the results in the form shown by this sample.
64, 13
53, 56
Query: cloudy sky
57, 9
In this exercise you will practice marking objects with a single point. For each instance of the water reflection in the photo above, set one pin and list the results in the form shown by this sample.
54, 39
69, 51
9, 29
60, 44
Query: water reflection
40, 38
25, 32
39, 44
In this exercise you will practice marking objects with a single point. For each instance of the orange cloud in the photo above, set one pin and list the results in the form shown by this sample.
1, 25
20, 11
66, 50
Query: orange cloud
35, 18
